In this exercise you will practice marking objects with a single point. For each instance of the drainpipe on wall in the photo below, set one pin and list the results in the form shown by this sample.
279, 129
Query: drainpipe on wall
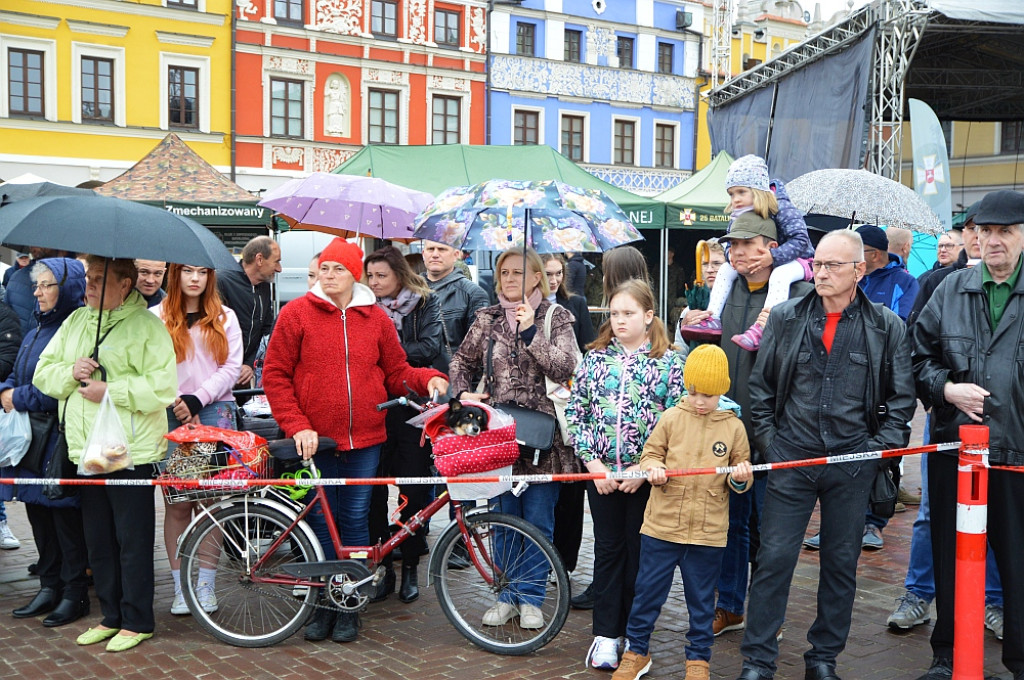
234, 44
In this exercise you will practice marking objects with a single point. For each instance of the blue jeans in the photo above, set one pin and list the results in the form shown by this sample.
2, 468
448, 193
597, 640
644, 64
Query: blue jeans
699, 566
732, 583
3, 512
920, 573
350, 505
528, 570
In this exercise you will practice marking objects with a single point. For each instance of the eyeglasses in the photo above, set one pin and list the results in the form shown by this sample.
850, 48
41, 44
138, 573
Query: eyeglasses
829, 266
44, 286
949, 246
149, 273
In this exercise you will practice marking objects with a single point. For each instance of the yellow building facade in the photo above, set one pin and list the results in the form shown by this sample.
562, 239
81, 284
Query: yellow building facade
89, 87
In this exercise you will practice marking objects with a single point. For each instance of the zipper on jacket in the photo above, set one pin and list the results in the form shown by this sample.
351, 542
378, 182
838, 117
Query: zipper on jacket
252, 317
618, 416
348, 379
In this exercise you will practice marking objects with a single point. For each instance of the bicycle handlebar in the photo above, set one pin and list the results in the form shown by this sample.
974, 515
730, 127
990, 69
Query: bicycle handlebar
407, 401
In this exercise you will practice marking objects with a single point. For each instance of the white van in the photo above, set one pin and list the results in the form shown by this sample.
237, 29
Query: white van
297, 249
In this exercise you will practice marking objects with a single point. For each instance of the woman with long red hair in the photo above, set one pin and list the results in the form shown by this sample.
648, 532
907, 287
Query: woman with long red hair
208, 348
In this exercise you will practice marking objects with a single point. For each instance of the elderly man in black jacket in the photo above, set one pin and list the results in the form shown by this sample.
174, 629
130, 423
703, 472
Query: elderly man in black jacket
247, 293
833, 376
968, 356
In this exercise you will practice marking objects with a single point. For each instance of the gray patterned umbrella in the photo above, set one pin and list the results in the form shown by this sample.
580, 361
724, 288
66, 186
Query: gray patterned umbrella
869, 197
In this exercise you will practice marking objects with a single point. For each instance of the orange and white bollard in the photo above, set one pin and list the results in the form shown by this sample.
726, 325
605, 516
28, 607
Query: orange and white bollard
971, 549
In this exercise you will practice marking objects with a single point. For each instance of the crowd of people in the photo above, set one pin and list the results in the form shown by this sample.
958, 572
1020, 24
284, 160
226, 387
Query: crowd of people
823, 350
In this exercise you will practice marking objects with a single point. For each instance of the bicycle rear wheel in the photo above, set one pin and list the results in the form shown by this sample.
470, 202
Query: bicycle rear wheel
519, 566
234, 608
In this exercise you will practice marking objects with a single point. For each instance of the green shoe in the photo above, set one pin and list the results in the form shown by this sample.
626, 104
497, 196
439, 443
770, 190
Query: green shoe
120, 643
94, 635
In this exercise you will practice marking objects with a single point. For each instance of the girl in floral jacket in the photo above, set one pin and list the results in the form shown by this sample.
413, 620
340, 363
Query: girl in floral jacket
620, 390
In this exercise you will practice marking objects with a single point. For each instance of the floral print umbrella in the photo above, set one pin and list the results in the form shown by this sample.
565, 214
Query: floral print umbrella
553, 217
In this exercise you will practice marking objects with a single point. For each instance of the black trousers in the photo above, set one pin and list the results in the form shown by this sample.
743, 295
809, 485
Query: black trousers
569, 522
1006, 536
120, 531
60, 542
617, 520
402, 456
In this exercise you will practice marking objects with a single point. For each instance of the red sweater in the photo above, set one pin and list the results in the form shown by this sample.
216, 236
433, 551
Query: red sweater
327, 369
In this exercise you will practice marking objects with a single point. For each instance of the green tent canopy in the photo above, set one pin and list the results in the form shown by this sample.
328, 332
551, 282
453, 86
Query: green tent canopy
700, 201
434, 168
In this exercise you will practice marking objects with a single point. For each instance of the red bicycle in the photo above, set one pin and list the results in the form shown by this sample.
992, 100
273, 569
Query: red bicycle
268, 568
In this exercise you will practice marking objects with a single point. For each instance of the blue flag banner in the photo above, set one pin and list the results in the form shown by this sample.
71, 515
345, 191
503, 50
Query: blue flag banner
931, 163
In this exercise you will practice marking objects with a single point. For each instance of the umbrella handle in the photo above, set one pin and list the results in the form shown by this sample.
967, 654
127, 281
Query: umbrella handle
702, 250
103, 375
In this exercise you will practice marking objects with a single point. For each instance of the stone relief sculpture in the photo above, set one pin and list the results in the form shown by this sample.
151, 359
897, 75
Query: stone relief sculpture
337, 101
477, 29
339, 16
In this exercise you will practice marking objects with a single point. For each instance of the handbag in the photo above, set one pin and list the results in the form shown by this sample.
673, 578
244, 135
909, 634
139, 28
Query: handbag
60, 466
557, 392
42, 425
885, 489
535, 430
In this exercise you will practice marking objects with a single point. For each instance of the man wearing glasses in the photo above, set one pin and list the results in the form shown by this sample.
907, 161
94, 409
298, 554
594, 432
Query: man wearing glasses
833, 376
151, 280
949, 247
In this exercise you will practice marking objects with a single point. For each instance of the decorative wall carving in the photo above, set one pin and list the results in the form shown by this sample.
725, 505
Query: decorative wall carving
326, 160
448, 83
246, 7
417, 10
642, 181
339, 16
302, 67
594, 82
387, 77
477, 29
288, 154
600, 43
337, 106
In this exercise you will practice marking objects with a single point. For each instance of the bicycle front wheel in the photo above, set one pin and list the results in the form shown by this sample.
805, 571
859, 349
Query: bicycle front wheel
222, 588
516, 599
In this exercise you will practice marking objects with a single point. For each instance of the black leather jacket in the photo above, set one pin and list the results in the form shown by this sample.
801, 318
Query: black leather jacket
421, 333
953, 341
460, 299
889, 399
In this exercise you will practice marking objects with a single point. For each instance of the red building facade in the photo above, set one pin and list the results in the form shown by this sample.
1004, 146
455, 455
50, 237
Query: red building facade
318, 79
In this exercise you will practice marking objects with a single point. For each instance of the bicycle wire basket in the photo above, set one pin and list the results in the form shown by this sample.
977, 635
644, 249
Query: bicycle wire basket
211, 453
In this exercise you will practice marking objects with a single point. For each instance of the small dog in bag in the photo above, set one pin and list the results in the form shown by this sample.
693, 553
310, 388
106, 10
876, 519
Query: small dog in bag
465, 419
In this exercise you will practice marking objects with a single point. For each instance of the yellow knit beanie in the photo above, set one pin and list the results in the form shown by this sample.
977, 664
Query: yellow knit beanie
706, 370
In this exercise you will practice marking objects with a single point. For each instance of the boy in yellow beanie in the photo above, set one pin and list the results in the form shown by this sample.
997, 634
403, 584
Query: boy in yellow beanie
687, 518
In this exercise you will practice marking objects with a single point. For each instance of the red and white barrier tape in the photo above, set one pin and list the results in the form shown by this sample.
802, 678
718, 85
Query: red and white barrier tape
237, 484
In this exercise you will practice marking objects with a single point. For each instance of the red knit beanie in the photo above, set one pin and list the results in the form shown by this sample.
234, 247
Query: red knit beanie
349, 255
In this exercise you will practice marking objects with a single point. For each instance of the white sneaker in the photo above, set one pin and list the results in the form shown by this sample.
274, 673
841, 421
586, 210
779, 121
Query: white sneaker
207, 598
530, 617
499, 614
178, 607
603, 654
7, 539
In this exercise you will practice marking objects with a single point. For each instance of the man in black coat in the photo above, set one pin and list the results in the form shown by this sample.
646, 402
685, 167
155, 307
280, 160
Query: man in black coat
247, 293
833, 376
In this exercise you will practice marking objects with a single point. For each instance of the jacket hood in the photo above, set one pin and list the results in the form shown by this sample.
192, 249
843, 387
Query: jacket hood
70, 276
447, 280
362, 296
130, 306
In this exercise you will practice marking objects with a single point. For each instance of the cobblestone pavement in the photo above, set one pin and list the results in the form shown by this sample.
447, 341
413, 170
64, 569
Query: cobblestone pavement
416, 641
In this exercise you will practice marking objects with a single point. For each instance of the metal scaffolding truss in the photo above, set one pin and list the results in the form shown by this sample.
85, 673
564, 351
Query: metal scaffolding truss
720, 45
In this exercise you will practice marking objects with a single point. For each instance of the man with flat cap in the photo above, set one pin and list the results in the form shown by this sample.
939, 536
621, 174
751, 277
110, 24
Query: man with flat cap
968, 356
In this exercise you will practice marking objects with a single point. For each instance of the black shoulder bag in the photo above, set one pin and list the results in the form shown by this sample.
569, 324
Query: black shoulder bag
60, 466
535, 430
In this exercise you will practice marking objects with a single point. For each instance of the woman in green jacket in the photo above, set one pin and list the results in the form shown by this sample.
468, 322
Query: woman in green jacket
138, 357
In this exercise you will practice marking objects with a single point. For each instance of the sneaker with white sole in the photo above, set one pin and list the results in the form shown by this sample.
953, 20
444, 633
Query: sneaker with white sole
531, 617
994, 619
603, 653
910, 611
632, 666
207, 598
178, 607
8, 541
500, 614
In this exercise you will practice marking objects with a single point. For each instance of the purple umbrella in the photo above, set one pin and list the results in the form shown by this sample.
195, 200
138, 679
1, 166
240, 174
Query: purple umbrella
348, 206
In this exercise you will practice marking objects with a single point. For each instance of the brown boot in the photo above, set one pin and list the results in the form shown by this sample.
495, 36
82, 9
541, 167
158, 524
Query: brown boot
632, 666
697, 670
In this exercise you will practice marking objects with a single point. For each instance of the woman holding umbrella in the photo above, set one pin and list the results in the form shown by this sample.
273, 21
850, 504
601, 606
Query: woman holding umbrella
521, 357
59, 285
138, 369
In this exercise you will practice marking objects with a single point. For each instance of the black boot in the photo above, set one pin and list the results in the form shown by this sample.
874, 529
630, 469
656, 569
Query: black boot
410, 590
68, 611
44, 602
459, 557
347, 627
322, 624
386, 585
584, 600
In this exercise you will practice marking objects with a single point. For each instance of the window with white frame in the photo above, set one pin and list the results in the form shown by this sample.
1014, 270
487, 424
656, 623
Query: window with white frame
383, 117
384, 17
290, 11
287, 108
624, 138
26, 82
573, 128
526, 127
446, 27
446, 126
97, 84
185, 87
1010, 136
664, 146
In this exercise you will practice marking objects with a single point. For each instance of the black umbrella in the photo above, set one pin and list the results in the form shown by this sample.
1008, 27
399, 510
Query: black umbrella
111, 227
9, 193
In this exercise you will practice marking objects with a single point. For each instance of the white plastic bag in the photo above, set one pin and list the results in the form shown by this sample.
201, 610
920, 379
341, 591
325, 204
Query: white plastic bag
106, 447
15, 437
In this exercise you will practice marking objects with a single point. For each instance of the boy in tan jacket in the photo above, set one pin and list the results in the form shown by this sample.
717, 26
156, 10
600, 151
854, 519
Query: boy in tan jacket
687, 518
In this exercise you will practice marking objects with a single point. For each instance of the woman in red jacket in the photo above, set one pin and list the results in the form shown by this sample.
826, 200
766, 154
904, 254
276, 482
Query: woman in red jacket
333, 356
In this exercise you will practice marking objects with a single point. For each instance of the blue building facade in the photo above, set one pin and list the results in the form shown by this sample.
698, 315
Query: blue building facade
609, 83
